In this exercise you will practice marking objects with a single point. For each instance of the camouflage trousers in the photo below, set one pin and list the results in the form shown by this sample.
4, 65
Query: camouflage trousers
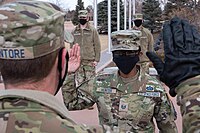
189, 103
85, 72
145, 66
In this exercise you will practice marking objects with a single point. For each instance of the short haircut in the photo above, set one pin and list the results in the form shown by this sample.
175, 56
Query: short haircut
31, 70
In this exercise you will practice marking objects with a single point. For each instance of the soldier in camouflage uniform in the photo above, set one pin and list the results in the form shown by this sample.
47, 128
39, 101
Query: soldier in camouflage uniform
88, 39
147, 41
32, 62
127, 99
180, 70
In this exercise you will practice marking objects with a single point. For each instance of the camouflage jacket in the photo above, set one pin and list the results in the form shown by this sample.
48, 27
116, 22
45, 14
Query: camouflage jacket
88, 39
34, 112
129, 104
147, 43
188, 98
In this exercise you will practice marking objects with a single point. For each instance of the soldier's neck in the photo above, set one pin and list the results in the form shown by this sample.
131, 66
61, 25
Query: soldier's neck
47, 84
83, 26
138, 28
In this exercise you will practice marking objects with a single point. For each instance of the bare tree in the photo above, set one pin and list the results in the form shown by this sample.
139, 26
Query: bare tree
60, 3
5, 1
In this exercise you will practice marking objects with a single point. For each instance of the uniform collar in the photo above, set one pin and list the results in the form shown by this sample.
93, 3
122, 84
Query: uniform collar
86, 28
39, 97
138, 28
139, 81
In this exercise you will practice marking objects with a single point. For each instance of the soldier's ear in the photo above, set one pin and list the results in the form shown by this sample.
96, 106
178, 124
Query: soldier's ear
64, 61
140, 53
88, 18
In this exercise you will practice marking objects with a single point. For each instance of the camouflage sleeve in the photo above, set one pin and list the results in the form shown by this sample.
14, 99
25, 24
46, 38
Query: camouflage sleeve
97, 45
188, 98
45, 122
86, 98
65, 126
77, 98
150, 41
165, 115
97, 129
71, 44
69, 90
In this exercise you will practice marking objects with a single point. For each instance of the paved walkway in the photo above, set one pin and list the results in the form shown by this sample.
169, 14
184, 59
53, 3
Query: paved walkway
106, 58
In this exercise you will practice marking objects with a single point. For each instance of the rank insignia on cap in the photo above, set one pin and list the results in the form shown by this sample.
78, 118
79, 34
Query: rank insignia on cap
149, 88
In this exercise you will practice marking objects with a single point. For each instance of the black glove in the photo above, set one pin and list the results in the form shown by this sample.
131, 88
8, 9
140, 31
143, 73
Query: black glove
182, 53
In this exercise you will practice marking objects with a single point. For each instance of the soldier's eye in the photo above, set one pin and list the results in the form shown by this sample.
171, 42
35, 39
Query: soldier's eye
125, 53
130, 53
118, 54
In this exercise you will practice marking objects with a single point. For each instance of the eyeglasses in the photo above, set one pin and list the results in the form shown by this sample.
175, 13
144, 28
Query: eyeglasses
125, 53
82, 17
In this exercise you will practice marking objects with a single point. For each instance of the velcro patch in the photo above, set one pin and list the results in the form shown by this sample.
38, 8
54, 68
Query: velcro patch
106, 90
149, 88
123, 106
149, 94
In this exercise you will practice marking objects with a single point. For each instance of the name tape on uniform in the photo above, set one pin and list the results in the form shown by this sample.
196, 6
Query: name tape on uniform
106, 90
16, 53
149, 94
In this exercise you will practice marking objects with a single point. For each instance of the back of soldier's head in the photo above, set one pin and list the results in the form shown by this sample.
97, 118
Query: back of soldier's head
31, 34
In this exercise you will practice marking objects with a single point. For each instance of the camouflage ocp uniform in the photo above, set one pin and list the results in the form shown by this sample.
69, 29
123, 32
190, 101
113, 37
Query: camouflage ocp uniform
28, 30
36, 112
88, 39
127, 104
147, 42
188, 95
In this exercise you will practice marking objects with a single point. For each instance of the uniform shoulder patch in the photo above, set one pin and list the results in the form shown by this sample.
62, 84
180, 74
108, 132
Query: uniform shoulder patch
156, 84
149, 88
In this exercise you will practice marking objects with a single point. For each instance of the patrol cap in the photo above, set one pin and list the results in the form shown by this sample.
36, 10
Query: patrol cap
138, 16
30, 29
69, 37
126, 40
82, 13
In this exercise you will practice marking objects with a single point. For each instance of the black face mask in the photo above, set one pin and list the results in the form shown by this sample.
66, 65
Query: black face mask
138, 23
61, 80
82, 21
125, 63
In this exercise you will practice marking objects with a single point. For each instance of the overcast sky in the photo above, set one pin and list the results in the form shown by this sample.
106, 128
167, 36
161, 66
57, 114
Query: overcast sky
70, 4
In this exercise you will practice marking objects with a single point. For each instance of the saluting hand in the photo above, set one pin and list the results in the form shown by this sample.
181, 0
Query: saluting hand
74, 59
182, 53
